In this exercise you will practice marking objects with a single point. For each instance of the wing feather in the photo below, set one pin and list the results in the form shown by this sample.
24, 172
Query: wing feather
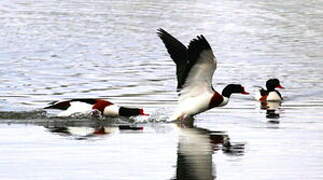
201, 67
178, 52
195, 65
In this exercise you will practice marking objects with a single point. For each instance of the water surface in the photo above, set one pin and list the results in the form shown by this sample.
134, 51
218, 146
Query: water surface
54, 50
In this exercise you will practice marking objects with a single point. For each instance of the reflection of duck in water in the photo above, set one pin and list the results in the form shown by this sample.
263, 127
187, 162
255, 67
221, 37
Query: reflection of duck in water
196, 147
85, 106
84, 132
221, 140
272, 109
195, 66
194, 155
81, 132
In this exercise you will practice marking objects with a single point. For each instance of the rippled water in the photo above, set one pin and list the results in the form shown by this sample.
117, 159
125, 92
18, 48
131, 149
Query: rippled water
54, 50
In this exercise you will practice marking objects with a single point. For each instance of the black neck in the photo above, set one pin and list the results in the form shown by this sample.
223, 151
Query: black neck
226, 92
270, 88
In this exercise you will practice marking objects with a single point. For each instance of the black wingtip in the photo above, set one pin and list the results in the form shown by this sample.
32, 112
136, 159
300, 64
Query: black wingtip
50, 107
196, 46
163, 33
51, 104
160, 30
199, 43
58, 105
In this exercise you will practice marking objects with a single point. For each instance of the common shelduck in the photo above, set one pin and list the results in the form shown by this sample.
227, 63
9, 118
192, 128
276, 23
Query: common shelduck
105, 107
270, 94
195, 66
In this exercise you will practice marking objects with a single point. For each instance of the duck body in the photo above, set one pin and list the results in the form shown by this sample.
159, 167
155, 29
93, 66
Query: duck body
85, 106
274, 96
195, 67
201, 103
270, 94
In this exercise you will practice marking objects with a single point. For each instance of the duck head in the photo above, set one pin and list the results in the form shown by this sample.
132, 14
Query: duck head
233, 88
124, 111
271, 84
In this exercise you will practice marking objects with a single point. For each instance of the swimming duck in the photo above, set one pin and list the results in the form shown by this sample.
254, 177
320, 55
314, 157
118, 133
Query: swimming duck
105, 107
195, 66
270, 94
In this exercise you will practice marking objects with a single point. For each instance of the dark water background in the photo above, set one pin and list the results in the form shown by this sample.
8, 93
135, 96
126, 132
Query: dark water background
54, 50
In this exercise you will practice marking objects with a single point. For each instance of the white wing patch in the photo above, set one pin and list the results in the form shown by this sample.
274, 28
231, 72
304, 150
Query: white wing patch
200, 76
76, 107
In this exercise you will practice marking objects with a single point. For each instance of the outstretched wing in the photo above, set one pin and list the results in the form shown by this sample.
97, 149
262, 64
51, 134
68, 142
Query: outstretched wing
178, 52
194, 66
200, 69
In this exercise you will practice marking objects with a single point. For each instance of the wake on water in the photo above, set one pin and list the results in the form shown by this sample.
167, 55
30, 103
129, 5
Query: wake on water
43, 116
